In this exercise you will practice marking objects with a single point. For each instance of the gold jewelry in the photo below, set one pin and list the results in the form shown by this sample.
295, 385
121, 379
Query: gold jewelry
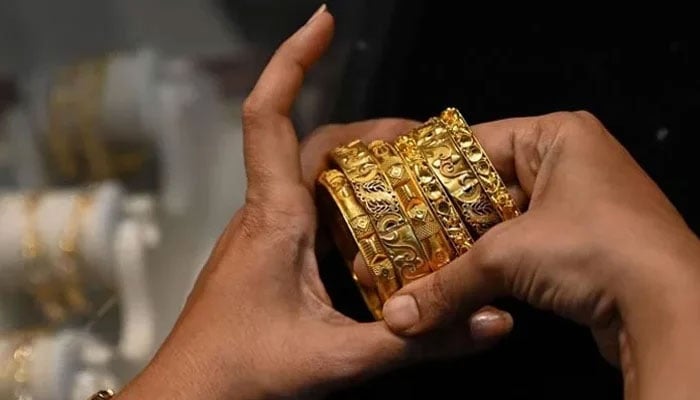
381, 203
42, 287
480, 163
455, 174
68, 263
15, 367
90, 87
359, 234
74, 139
102, 395
439, 200
413, 204
60, 144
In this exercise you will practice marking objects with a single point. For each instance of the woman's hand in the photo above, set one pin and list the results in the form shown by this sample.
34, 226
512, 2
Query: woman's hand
599, 243
259, 323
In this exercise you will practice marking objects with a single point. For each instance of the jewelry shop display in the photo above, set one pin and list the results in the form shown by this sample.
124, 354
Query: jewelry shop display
412, 206
55, 284
15, 359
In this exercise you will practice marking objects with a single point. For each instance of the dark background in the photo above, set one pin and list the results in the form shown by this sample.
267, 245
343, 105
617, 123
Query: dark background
432, 55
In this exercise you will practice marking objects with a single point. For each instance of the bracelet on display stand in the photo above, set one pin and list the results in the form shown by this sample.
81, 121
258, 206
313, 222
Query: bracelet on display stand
56, 285
40, 283
99, 252
74, 110
15, 359
42, 366
69, 266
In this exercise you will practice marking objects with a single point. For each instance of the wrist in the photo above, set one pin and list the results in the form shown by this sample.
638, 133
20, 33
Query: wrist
194, 367
660, 311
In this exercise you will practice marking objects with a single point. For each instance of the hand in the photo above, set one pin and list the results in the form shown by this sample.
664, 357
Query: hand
259, 323
599, 243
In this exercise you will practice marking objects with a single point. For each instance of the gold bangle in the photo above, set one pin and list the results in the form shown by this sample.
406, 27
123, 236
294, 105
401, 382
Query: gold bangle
15, 368
381, 203
61, 146
456, 175
68, 267
90, 87
353, 231
435, 193
480, 163
41, 285
102, 395
421, 218
74, 110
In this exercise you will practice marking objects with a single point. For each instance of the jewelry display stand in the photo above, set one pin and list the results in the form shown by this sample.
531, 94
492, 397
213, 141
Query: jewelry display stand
146, 100
174, 106
52, 367
97, 230
113, 241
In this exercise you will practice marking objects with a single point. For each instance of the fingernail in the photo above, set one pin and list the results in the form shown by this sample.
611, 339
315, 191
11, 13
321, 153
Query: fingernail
401, 312
318, 12
489, 324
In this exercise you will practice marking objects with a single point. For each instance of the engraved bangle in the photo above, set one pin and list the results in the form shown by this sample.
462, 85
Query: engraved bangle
435, 193
455, 174
353, 231
480, 163
414, 204
378, 198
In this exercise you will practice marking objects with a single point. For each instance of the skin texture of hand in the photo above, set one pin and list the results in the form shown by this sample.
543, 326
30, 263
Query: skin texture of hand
259, 323
599, 244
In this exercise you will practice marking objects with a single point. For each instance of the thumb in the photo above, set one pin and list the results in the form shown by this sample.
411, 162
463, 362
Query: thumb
455, 291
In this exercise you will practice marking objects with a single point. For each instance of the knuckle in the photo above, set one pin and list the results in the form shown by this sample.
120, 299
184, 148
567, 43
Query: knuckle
251, 111
587, 116
439, 300
576, 123
275, 220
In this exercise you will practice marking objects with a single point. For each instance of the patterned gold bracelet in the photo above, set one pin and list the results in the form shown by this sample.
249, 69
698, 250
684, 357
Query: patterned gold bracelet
458, 178
358, 235
480, 163
378, 198
435, 193
421, 218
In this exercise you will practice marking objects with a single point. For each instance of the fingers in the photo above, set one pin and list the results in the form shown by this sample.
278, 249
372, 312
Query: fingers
489, 325
485, 326
270, 143
315, 148
372, 348
456, 290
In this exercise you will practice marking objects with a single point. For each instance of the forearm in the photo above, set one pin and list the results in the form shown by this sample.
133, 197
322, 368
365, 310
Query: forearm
660, 342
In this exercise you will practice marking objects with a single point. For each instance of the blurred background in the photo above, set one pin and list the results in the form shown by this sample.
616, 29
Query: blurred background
120, 163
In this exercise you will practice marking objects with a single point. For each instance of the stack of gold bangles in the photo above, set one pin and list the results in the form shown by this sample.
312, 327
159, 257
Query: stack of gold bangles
412, 206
